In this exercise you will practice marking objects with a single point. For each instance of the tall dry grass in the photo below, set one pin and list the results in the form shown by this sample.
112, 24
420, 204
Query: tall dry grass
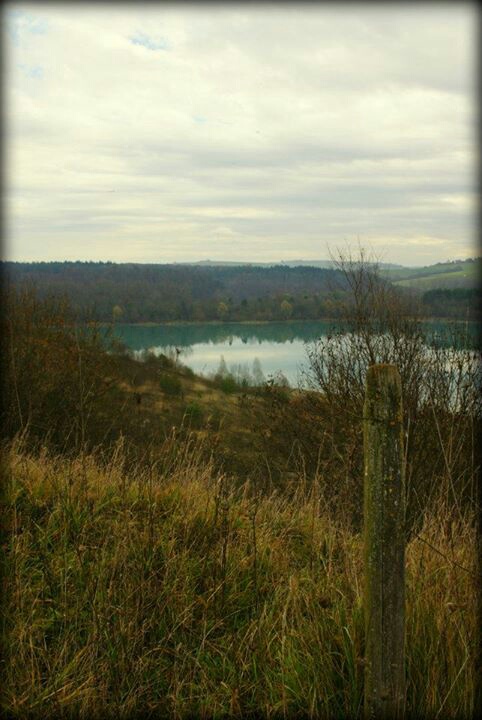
168, 592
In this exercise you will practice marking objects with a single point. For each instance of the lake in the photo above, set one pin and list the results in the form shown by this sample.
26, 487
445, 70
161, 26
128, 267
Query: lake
272, 347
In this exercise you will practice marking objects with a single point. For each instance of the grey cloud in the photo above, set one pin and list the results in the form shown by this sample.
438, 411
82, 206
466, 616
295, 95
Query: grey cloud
272, 125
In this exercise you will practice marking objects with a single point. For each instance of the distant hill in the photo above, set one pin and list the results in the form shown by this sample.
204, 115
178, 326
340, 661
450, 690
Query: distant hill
456, 274
283, 263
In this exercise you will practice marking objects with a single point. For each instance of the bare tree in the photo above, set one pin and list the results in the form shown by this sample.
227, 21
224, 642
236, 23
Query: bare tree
440, 378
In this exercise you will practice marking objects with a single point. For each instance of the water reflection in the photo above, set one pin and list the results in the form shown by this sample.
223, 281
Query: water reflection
276, 346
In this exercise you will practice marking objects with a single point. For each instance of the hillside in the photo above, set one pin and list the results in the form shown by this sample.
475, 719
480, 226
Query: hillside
457, 274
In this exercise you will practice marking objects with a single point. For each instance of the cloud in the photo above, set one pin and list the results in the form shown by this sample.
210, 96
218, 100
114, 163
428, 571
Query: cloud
31, 71
21, 24
149, 43
164, 133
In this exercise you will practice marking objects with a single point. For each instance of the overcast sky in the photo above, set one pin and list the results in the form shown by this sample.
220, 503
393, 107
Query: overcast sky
163, 133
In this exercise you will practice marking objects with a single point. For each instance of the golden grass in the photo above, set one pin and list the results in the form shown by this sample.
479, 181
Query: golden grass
170, 593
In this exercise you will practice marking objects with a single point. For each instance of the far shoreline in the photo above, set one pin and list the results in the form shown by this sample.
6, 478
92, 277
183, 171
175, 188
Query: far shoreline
150, 323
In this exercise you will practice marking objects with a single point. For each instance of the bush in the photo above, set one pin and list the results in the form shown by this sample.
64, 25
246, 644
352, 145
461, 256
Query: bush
57, 377
228, 385
195, 414
170, 385
165, 362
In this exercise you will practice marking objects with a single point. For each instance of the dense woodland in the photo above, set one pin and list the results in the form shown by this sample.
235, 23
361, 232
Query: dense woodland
159, 293
445, 302
162, 293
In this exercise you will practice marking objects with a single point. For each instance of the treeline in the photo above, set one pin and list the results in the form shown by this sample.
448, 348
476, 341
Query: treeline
453, 302
134, 293
162, 293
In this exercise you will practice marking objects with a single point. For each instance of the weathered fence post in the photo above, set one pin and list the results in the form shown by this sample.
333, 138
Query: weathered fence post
384, 537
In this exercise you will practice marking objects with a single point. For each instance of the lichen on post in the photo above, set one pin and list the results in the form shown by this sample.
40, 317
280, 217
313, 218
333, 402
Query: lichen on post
384, 544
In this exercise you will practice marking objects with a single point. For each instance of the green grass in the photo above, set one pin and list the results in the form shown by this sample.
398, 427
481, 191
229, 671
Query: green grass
466, 277
171, 594
426, 270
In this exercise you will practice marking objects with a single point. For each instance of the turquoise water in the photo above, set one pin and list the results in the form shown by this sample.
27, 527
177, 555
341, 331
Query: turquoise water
278, 346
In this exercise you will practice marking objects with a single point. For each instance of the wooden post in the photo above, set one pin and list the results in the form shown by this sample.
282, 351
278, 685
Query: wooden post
384, 538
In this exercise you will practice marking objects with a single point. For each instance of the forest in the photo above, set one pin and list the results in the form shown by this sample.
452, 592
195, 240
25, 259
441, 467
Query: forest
134, 293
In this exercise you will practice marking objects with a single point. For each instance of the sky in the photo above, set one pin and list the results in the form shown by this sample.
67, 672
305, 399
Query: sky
176, 132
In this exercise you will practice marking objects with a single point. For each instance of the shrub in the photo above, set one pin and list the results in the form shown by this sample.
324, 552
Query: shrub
195, 414
165, 362
56, 376
228, 385
170, 385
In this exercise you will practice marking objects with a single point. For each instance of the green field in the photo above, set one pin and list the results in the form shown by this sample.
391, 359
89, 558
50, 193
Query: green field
462, 274
468, 277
